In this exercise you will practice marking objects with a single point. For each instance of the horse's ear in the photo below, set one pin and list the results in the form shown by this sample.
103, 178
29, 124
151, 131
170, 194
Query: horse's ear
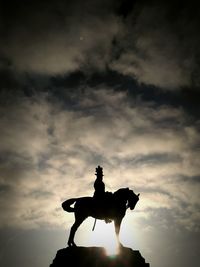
127, 188
138, 194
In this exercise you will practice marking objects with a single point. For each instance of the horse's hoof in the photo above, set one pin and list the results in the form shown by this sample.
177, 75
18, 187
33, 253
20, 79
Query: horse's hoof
71, 244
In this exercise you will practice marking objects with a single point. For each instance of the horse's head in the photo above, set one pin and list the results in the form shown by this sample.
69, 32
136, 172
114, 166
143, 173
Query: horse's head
132, 199
127, 195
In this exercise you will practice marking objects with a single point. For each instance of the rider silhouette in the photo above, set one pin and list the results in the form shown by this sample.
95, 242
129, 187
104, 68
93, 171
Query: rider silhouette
99, 185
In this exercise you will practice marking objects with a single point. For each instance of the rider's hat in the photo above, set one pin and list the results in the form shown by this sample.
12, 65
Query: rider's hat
99, 171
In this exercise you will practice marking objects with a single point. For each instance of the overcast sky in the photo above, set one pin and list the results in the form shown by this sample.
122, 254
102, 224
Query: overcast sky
112, 83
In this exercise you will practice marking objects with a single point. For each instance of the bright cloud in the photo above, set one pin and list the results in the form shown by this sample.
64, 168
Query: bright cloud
49, 153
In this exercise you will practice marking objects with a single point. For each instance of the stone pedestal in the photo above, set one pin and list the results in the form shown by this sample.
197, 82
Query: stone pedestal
96, 257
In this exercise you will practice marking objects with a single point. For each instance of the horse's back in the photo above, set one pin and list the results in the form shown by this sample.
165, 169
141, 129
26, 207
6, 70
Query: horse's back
83, 201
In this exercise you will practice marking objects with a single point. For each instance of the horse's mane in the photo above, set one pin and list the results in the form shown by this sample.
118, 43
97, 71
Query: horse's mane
121, 190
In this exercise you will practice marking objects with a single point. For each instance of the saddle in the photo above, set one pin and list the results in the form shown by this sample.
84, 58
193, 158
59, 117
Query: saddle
106, 197
104, 203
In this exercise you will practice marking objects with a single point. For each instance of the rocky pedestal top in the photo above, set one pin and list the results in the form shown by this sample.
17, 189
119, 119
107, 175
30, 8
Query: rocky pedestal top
96, 257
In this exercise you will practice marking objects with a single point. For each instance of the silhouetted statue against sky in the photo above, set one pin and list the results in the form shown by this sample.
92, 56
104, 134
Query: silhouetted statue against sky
100, 206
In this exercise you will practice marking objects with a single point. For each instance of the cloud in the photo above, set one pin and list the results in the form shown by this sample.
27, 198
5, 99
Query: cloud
160, 46
59, 38
155, 44
50, 152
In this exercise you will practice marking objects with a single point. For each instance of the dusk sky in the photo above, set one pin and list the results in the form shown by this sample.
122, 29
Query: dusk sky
100, 82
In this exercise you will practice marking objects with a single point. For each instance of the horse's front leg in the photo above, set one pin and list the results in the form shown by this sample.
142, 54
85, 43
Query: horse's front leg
117, 222
73, 230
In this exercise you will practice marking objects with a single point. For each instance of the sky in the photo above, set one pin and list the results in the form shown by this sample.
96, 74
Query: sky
113, 83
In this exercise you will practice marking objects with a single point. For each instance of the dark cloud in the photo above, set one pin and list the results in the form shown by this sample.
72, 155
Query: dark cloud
57, 38
155, 43
157, 159
190, 179
161, 45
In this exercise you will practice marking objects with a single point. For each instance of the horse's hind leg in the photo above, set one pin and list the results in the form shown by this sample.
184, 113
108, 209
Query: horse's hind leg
73, 230
117, 229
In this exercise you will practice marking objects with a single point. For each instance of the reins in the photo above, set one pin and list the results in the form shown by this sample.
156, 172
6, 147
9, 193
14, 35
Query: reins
94, 224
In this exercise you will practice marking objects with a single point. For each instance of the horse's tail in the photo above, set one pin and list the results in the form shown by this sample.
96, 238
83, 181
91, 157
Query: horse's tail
66, 205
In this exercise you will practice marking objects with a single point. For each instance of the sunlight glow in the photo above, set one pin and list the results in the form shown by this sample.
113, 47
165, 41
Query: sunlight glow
104, 235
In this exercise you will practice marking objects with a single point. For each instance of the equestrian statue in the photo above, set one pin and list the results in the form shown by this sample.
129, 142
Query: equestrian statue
103, 206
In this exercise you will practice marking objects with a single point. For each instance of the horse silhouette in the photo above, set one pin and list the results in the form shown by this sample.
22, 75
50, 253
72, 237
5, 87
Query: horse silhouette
111, 207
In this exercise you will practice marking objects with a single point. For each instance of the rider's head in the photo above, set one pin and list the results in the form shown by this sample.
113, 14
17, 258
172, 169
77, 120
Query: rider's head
99, 172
